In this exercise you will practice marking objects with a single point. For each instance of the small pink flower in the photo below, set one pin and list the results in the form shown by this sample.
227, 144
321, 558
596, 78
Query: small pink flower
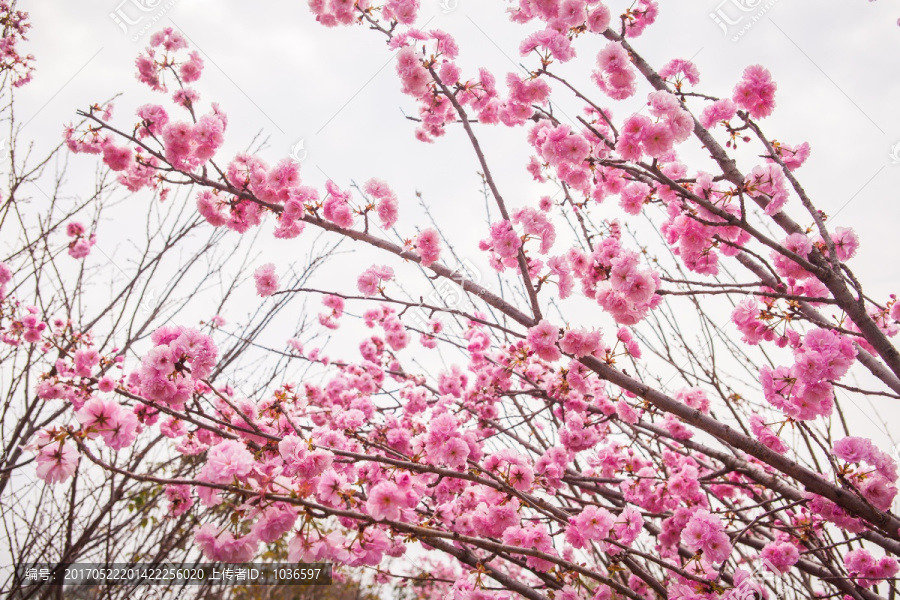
580, 342
266, 280
428, 247
879, 491
180, 500
780, 555
122, 430
56, 462
719, 111
74, 229
98, 416
543, 338
756, 92
191, 70
599, 19
331, 487
853, 449
106, 384
227, 460
385, 501
846, 243
370, 281
81, 247
222, 546
273, 523
116, 158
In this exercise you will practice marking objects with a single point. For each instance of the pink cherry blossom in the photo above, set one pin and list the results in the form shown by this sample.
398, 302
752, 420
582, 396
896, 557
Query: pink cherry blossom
543, 338
615, 75
756, 92
191, 69
180, 500
266, 280
867, 570
227, 460
98, 415
717, 112
56, 462
681, 68
780, 555
384, 501
273, 522
428, 247
221, 545
579, 342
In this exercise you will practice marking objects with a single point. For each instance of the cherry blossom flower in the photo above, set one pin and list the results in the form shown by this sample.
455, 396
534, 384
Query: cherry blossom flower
266, 280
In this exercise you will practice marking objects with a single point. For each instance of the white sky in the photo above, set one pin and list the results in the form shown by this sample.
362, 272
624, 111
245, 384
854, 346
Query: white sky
273, 69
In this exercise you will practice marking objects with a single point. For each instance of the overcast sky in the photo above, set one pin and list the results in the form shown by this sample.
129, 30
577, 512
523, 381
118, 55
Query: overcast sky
274, 70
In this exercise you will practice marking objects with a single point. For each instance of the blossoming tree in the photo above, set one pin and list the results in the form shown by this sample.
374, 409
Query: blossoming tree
549, 462
62, 293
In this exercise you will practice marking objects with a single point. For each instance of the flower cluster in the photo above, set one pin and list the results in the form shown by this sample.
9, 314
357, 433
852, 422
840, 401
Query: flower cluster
160, 57
387, 207
428, 247
107, 418
780, 556
12, 61
866, 570
614, 74
877, 486
81, 242
804, 391
705, 531
266, 280
756, 92
567, 152
370, 282
641, 135
5, 278
503, 244
336, 304
56, 458
178, 362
